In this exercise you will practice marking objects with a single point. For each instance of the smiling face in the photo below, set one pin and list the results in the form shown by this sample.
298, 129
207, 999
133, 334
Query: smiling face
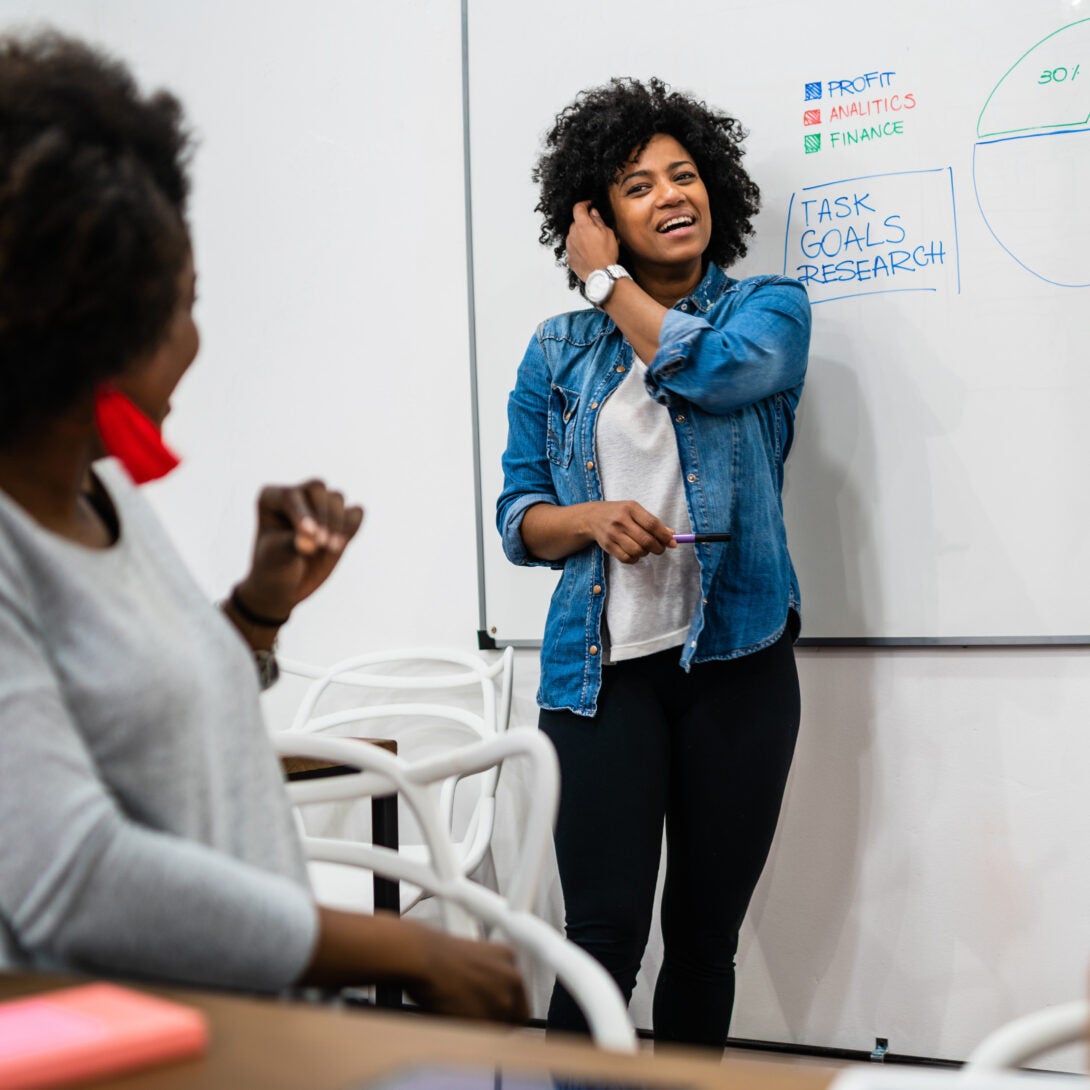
150, 382
661, 211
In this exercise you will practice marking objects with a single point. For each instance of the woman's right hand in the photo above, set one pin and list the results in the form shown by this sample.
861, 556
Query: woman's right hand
624, 529
628, 531
469, 979
445, 974
591, 244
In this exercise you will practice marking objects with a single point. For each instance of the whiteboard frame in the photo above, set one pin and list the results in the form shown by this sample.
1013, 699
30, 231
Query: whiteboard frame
485, 641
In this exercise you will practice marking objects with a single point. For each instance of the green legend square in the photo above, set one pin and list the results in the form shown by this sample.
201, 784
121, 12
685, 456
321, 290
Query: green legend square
812, 142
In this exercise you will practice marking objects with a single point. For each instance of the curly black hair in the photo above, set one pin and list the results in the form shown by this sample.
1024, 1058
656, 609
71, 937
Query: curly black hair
93, 237
606, 126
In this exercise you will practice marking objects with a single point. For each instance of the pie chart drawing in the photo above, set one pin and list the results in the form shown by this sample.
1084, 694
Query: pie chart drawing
1031, 160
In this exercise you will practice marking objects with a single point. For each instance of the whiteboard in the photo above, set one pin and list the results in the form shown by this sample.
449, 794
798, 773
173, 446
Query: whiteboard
925, 169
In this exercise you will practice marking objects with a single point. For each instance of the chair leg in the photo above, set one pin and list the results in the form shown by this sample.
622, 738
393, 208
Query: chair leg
387, 892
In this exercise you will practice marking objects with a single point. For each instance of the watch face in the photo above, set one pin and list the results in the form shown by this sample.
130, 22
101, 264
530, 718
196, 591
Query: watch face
598, 287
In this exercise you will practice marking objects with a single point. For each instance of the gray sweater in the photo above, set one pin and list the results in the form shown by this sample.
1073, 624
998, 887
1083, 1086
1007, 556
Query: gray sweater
144, 828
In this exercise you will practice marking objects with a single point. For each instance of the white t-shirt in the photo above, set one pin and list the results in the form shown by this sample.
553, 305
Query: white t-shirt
649, 604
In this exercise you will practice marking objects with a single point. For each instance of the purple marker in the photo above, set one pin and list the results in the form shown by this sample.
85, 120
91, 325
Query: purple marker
690, 539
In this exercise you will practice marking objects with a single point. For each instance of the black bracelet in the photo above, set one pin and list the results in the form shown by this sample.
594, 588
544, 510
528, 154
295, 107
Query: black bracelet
248, 614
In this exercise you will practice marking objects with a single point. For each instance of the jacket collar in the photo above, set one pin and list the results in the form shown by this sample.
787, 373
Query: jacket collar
710, 288
704, 296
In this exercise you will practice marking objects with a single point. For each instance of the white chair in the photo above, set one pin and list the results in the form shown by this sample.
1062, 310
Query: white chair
487, 684
463, 902
1017, 1042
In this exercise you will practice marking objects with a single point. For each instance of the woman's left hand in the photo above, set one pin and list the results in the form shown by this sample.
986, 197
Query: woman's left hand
302, 532
591, 244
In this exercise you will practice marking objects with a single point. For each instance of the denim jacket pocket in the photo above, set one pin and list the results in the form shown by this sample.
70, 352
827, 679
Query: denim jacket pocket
561, 425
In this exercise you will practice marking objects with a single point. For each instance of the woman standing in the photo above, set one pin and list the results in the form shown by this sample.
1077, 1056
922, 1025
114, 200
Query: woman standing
147, 832
668, 680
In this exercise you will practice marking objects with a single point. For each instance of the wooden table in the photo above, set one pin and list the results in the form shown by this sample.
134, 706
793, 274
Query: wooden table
269, 1044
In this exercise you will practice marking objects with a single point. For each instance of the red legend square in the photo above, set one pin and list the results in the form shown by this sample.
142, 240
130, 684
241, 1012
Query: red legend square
811, 117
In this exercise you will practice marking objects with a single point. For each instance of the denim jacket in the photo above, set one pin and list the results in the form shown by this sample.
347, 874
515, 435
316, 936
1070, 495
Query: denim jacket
730, 369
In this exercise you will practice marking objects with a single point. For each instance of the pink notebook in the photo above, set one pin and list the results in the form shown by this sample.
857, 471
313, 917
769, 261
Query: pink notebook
90, 1031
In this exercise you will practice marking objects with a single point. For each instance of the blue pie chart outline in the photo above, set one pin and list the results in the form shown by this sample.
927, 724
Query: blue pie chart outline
1011, 135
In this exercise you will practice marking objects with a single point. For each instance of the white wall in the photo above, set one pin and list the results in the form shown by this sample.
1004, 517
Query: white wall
328, 226
931, 877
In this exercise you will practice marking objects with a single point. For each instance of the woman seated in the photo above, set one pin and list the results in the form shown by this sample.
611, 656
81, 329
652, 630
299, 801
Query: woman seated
146, 829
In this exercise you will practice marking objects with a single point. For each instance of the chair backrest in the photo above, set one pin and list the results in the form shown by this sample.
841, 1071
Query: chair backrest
462, 900
359, 671
385, 677
1020, 1040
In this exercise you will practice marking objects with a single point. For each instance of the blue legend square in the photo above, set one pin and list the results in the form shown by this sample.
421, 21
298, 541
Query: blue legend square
811, 142
813, 90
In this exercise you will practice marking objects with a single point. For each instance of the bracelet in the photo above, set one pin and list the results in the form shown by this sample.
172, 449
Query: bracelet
247, 614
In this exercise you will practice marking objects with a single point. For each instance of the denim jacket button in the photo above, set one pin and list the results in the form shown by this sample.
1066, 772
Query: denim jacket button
620, 368
691, 478
596, 589
684, 306
593, 649
594, 404
680, 418
590, 465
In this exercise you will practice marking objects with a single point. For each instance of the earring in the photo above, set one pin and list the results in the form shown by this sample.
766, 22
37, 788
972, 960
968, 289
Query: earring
130, 436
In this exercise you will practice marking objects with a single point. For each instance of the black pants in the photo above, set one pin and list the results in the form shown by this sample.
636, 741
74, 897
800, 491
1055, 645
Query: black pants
708, 752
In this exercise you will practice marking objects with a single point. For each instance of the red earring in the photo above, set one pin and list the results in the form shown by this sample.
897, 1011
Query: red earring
131, 437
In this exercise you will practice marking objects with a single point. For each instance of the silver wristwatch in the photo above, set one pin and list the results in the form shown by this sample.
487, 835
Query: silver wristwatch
268, 669
599, 285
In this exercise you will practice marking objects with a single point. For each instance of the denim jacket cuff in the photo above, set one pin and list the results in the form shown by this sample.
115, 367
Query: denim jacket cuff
513, 545
679, 332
